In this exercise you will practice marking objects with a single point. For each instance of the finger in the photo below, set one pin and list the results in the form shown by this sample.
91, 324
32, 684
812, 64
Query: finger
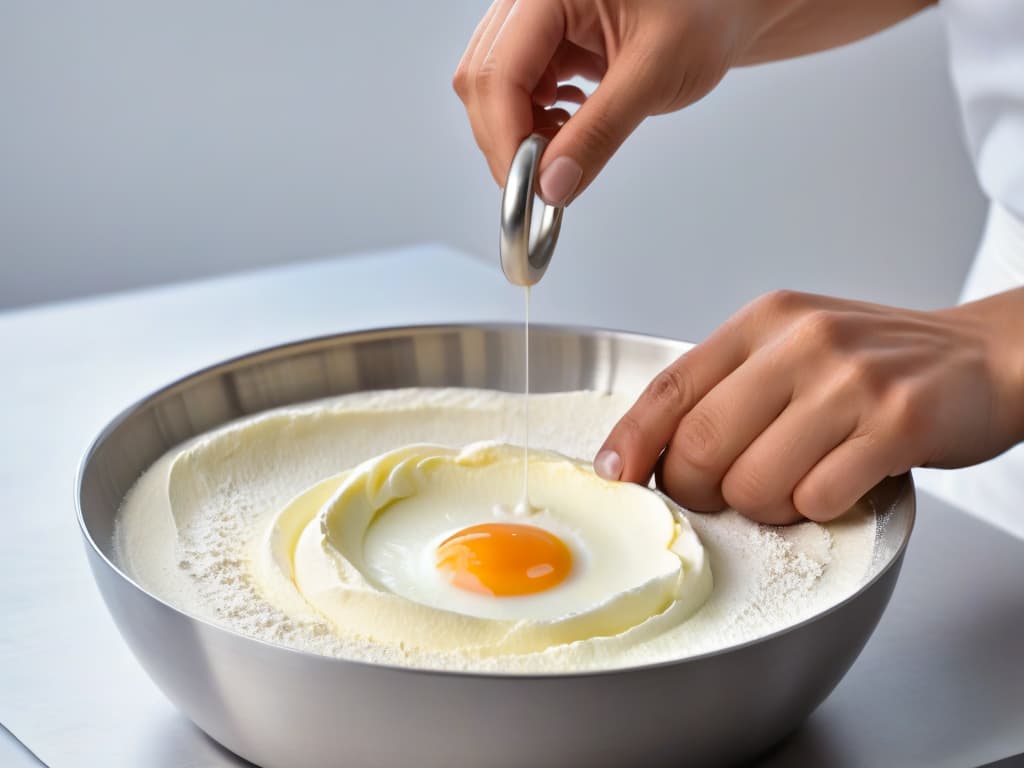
720, 427
636, 441
546, 92
509, 73
570, 94
477, 36
466, 75
849, 471
571, 60
477, 48
548, 122
597, 129
761, 481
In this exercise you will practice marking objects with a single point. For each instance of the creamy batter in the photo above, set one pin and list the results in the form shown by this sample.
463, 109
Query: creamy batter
410, 549
196, 528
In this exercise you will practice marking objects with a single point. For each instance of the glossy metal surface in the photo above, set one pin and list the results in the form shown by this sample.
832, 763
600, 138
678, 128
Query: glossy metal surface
278, 707
525, 259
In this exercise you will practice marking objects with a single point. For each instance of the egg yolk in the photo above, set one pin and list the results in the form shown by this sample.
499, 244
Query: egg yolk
504, 559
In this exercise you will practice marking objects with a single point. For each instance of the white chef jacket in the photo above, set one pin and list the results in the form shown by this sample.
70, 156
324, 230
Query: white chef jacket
986, 40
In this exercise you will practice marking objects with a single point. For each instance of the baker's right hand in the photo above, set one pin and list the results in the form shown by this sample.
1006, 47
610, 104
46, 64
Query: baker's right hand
650, 57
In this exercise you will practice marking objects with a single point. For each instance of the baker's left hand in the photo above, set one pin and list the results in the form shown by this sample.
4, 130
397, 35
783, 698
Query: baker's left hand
799, 404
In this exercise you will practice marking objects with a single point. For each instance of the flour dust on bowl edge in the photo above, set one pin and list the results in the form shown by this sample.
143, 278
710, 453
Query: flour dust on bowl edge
280, 707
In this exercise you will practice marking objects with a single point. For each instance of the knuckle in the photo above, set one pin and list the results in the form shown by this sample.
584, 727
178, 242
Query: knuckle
674, 384
698, 441
781, 301
812, 500
820, 328
693, 492
859, 375
747, 491
460, 82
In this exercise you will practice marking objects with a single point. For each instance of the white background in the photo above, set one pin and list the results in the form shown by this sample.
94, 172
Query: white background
143, 143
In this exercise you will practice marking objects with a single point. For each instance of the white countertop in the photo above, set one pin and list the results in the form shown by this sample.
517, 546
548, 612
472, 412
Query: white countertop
940, 683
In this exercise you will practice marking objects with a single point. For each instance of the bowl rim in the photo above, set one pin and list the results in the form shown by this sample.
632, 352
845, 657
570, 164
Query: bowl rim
906, 493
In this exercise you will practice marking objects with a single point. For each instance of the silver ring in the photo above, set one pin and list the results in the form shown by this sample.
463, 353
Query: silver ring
524, 261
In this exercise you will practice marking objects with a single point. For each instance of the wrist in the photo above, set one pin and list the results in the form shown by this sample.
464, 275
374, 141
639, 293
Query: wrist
999, 319
1015, 376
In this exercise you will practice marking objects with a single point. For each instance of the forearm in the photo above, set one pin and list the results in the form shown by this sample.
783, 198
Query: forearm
784, 29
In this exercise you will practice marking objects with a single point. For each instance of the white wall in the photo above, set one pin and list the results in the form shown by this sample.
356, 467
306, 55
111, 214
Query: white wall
143, 142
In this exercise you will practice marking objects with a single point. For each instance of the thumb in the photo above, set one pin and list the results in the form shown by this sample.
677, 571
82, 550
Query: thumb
589, 138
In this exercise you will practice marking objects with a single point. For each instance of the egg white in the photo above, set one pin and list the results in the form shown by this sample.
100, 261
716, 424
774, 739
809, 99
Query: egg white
360, 549
400, 551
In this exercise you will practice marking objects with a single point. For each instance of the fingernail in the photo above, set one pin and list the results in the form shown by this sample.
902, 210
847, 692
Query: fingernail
608, 464
560, 180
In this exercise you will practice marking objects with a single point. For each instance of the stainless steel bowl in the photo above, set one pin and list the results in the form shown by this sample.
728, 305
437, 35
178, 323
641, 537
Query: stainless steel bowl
280, 707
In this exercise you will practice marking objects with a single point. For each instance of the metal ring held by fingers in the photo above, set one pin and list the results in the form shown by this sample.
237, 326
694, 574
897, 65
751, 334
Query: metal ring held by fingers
524, 262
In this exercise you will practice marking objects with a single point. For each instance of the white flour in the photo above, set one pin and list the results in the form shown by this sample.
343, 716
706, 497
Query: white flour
765, 578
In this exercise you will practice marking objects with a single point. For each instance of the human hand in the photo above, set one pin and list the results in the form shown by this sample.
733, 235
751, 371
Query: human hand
799, 404
650, 56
